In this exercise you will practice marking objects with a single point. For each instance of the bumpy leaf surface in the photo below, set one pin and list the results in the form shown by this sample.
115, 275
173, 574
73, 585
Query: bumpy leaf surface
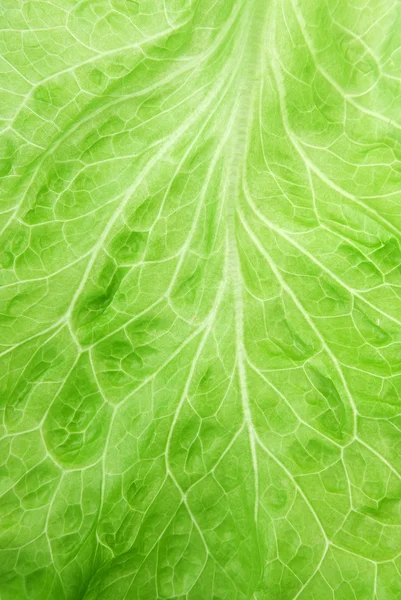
200, 305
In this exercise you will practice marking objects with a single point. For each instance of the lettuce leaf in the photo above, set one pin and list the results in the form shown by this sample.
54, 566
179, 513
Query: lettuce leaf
200, 304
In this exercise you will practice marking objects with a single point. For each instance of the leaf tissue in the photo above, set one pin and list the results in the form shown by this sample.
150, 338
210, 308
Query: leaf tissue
200, 300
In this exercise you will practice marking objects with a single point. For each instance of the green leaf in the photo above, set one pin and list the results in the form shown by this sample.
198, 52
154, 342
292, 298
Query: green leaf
200, 307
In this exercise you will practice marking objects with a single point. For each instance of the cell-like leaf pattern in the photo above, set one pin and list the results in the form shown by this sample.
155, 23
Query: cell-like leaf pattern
200, 307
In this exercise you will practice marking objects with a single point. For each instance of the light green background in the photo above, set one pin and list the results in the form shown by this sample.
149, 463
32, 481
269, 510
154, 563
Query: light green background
200, 311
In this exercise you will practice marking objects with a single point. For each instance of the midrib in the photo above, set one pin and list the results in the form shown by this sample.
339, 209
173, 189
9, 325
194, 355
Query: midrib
246, 87
249, 80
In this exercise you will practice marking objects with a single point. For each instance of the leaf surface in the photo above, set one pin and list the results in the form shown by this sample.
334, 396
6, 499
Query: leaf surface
200, 308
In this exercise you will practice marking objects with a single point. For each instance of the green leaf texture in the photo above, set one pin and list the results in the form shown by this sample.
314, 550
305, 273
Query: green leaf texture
200, 305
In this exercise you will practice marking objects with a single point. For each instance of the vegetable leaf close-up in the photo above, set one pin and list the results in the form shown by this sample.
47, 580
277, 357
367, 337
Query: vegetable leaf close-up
200, 300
